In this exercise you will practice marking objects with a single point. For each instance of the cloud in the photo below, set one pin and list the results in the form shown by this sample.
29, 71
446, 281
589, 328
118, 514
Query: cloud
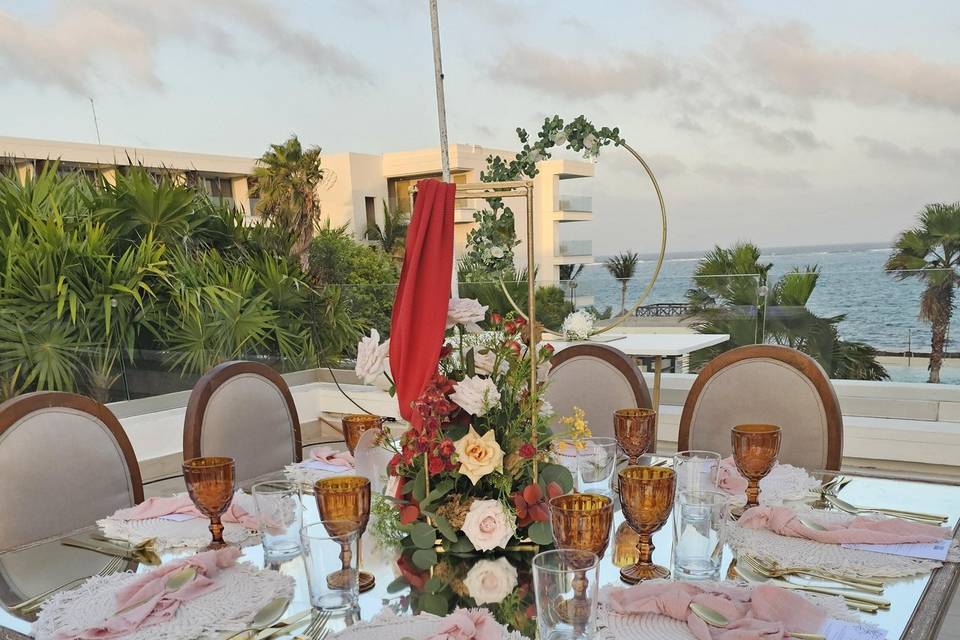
687, 123
788, 60
782, 141
114, 41
551, 73
946, 159
744, 176
724, 10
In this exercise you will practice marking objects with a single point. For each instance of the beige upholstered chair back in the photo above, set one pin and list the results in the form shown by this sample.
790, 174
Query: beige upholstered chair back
597, 378
65, 462
766, 384
243, 410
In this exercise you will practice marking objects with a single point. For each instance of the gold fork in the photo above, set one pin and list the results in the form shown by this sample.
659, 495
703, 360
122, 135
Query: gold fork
774, 570
31, 604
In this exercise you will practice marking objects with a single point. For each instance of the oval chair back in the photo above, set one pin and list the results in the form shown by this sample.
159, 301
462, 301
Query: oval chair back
65, 462
767, 384
243, 410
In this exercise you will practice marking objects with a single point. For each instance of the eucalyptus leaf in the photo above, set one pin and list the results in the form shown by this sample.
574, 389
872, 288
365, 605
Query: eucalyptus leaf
419, 492
442, 489
557, 473
434, 585
424, 558
434, 603
445, 528
423, 535
462, 545
540, 533
397, 585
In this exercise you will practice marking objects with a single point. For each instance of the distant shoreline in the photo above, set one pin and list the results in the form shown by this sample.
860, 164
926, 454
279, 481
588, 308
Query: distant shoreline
770, 252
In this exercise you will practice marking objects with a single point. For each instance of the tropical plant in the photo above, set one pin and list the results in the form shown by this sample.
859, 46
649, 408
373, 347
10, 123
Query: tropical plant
930, 252
732, 294
286, 185
623, 267
392, 237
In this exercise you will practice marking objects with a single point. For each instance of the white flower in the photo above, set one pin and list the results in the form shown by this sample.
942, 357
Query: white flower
490, 581
465, 311
560, 138
546, 409
589, 141
476, 395
497, 252
488, 525
484, 360
372, 358
578, 325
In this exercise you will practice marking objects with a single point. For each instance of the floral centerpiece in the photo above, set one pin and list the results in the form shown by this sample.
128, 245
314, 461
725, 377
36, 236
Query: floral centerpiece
474, 476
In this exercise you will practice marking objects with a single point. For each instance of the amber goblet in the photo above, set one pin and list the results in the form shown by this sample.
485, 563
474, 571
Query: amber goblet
354, 425
211, 482
582, 521
635, 430
646, 496
346, 499
755, 451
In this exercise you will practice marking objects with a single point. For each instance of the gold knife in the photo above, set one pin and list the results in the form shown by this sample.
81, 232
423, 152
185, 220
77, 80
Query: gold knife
99, 547
284, 625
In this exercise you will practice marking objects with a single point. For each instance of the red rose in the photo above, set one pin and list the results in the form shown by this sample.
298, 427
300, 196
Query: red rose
510, 327
447, 447
436, 465
548, 349
520, 320
409, 514
514, 346
527, 450
496, 318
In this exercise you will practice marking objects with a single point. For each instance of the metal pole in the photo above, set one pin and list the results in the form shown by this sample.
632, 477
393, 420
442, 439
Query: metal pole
442, 121
441, 105
95, 123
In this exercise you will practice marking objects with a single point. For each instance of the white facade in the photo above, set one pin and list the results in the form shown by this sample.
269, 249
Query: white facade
356, 187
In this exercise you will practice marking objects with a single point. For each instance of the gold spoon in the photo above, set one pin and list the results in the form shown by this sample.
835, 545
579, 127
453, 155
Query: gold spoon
265, 617
927, 518
716, 619
754, 578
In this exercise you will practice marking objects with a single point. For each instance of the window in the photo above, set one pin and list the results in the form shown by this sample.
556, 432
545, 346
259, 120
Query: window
398, 189
371, 206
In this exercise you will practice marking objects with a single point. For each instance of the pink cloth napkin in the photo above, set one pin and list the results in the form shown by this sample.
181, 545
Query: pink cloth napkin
762, 612
331, 457
729, 479
182, 504
859, 530
158, 604
468, 624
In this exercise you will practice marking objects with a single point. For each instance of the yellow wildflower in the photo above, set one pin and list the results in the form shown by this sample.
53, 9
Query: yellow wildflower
579, 429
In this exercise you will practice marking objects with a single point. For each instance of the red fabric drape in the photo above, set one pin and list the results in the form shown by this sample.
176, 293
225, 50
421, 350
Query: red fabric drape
420, 308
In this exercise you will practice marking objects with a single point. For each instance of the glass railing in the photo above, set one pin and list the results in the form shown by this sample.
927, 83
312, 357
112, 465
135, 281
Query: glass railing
575, 248
579, 204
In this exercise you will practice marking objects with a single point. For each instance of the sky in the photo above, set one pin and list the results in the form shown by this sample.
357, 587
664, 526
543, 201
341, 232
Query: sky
782, 123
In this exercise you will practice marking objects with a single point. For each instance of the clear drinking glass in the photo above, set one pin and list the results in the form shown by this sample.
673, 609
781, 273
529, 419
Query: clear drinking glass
565, 453
565, 584
330, 556
596, 464
700, 521
280, 518
696, 470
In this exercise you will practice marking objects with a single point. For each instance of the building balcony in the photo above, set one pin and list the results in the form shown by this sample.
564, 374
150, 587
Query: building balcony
575, 249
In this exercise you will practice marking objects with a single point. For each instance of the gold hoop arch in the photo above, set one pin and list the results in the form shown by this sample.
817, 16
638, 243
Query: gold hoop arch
656, 272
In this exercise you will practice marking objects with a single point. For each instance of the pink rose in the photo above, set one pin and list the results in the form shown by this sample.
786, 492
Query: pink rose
488, 525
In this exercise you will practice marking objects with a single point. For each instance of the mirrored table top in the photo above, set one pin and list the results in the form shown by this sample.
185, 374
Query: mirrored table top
918, 602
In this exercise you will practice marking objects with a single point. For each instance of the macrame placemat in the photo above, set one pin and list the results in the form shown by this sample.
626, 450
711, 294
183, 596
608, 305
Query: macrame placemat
799, 552
387, 625
243, 590
652, 626
307, 477
171, 534
784, 483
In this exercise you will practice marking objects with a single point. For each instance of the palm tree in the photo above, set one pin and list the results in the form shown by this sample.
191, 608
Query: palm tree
286, 183
623, 267
392, 238
731, 295
931, 252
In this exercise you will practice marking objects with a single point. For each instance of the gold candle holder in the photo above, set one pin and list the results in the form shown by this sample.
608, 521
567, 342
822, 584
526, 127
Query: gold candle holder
755, 451
646, 495
635, 429
354, 426
347, 498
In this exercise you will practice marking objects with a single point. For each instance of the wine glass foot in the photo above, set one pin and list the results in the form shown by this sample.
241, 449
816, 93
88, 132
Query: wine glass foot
640, 572
367, 581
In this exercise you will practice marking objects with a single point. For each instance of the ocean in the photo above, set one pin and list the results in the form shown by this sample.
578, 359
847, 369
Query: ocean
878, 309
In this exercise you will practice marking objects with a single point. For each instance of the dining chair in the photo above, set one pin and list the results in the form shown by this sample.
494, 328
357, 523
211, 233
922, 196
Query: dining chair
598, 379
243, 410
65, 462
767, 384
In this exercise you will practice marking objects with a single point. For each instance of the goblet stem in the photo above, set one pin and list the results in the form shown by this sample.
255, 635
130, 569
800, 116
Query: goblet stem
645, 547
216, 530
345, 556
581, 608
753, 493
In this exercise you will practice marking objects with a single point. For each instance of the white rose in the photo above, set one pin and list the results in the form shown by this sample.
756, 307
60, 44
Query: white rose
465, 311
476, 395
490, 581
497, 252
488, 525
578, 325
589, 141
372, 357
560, 138
483, 360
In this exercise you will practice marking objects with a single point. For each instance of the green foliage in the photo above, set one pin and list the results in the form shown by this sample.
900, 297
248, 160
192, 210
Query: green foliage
728, 298
392, 237
95, 273
367, 276
623, 267
931, 252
